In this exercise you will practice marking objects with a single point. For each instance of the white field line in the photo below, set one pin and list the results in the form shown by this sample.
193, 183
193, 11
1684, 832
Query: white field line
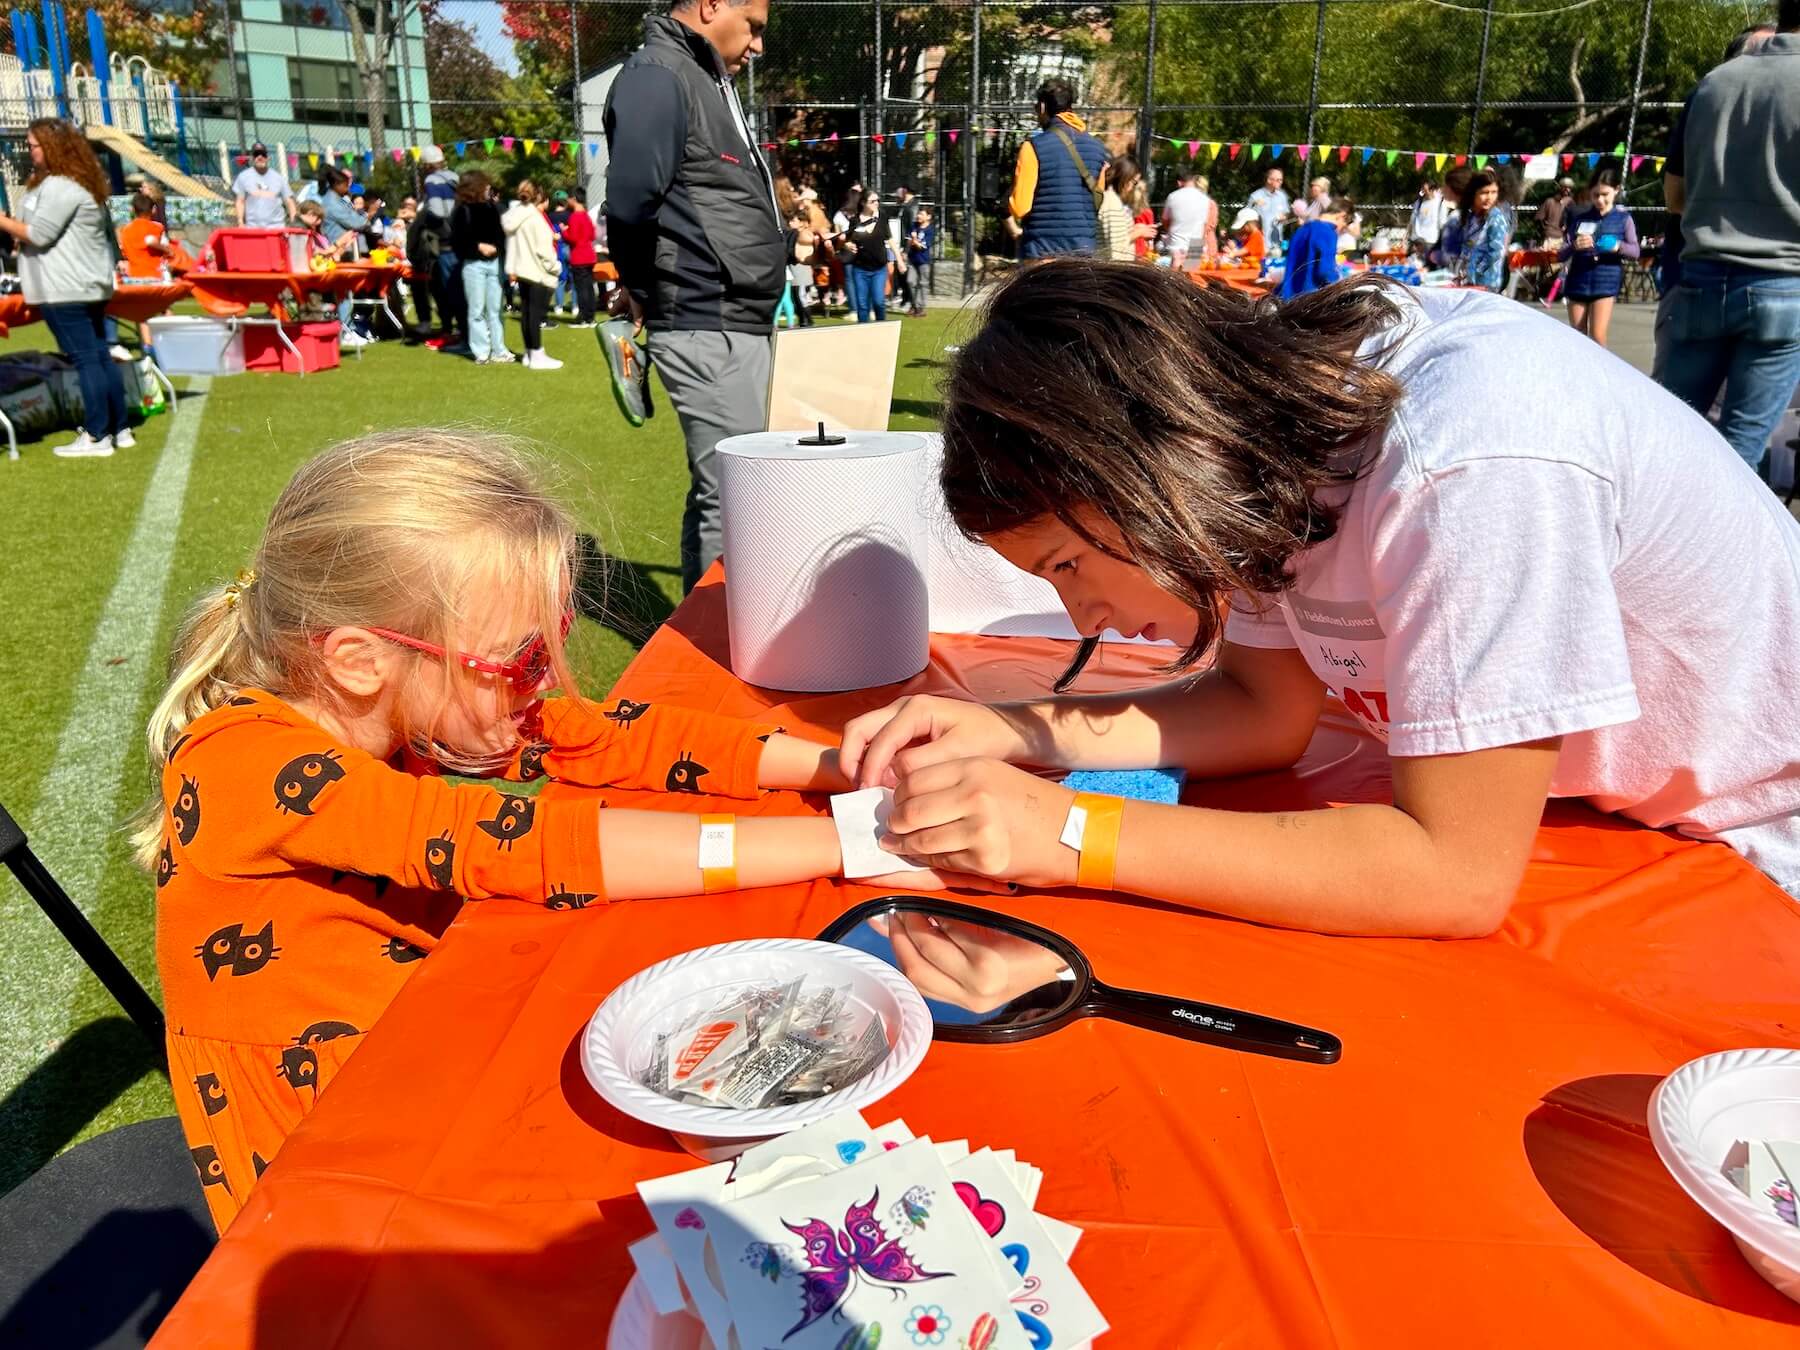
78, 808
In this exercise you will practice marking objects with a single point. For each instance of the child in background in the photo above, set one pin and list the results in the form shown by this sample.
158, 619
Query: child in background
312, 218
918, 258
1247, 247
144, 250
1597, 239
794, 305
405, 614
1312, 252
1487, 228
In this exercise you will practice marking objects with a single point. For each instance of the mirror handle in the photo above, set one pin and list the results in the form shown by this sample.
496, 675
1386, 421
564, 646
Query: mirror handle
1213, 1025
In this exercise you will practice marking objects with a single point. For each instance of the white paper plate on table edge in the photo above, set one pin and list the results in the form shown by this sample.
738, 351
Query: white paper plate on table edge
1771, 1246
912, 1038
637, 1325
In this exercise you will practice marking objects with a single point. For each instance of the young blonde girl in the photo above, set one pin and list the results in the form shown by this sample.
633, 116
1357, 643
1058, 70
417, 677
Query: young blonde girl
404, 612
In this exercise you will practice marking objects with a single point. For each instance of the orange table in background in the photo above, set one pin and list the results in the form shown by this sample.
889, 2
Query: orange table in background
1238, 278
1474, 1172
133, 303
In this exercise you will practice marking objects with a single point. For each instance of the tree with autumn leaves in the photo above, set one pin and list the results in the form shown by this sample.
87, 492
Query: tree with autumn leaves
186, 44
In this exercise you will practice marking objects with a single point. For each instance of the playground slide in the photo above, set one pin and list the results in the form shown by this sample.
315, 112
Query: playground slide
135, 152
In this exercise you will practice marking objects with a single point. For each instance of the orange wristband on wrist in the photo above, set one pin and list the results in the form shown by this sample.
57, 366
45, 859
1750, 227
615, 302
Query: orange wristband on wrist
718, 854
1099, 838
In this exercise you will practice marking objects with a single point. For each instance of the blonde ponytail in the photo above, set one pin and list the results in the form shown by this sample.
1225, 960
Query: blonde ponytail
394, 530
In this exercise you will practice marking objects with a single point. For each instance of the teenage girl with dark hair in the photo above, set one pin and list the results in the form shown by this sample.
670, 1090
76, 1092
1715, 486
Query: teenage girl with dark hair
1597, 239
1596, 599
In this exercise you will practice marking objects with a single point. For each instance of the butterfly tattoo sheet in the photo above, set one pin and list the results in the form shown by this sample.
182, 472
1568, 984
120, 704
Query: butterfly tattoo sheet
884, 1243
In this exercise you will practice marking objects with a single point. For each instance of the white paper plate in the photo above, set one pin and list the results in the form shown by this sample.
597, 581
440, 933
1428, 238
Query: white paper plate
636, 1324
1698, 1112
617, 1043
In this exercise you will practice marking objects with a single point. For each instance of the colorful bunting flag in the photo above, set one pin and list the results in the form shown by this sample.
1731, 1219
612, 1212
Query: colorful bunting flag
1635, 161
1235, 147
1501, 159
951, 134
312, 161
556, 147
1392, 155
1369, 153
1344, 154
1481, 161
1193, 148
462, 148
506, 142
530, 145
1461, 160
488, 145
1217, 148
900, 140
832, 137
930, 139
416, 152
1619, 149
1568, 161
1419, 160
1275, 151
1440, 157
399, 155
1593, 159
1304, 151
1659, 163
593, 148
1325, 152
1256, 150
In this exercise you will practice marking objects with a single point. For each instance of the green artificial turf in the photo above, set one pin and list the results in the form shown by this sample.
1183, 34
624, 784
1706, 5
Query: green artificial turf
72, 1065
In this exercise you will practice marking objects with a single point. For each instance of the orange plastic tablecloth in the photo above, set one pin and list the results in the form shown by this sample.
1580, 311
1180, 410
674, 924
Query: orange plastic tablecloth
229, 294
134, 304
1238, 278
1474, 1172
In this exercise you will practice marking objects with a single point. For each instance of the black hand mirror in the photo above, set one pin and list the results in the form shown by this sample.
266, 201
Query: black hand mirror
990, 978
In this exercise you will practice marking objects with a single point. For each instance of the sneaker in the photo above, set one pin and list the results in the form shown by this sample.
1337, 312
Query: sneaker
481, 360
352, 338
629, 366
85, 446
588, 324
551, 323
119, 353
123, 439
541, 360
503, 358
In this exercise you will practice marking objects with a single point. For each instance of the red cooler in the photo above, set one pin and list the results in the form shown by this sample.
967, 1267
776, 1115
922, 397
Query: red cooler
316, 339
239, 250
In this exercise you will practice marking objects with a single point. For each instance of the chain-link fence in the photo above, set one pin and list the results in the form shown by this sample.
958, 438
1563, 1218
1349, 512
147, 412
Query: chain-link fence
937, 95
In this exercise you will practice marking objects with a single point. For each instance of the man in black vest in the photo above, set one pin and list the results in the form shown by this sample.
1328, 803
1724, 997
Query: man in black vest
692, 227
1056, 182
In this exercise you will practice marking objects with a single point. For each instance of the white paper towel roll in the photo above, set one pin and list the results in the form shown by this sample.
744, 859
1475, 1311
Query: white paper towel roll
825, 558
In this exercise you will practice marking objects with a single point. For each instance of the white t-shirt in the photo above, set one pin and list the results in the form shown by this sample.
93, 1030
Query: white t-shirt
1548, 544
265, 197
1185, 211
1427, 218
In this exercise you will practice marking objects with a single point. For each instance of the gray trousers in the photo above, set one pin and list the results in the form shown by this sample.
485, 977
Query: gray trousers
719, 386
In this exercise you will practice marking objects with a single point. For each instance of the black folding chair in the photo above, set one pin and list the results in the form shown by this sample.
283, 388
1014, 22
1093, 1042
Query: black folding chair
16, 853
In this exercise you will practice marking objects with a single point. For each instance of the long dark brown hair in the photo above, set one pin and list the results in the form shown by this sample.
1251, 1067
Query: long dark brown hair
67, 154
1201, 422
473, 187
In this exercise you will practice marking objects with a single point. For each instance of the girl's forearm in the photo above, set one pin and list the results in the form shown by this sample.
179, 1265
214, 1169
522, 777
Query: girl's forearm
1362, 870
647, 855
802, 765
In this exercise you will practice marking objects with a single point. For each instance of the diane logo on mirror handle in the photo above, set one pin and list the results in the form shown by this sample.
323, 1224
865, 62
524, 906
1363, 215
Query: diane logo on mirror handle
1205, 1019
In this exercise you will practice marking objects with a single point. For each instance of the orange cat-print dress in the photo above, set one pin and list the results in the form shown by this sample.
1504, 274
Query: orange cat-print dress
300, 880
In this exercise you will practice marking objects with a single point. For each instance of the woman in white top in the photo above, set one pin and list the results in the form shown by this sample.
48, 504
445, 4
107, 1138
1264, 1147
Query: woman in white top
1592, 597
531, 262
67, 266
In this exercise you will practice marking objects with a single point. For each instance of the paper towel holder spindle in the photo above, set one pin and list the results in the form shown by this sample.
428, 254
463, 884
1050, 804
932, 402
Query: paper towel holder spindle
822, 438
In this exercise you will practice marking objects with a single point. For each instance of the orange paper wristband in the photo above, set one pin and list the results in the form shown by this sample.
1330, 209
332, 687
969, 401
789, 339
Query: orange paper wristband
718, 853
1100, 841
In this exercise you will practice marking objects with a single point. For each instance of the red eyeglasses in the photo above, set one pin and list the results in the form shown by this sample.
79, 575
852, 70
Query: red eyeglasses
525, 672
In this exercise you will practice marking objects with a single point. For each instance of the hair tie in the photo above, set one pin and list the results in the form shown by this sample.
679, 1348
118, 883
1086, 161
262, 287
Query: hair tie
234, 590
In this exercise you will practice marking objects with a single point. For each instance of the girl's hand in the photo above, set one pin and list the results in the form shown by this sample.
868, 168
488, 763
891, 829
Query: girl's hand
960, 963
1583, 241
875, 752
986, 818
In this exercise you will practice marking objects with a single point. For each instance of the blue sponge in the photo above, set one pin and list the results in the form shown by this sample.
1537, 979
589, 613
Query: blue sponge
1143, 785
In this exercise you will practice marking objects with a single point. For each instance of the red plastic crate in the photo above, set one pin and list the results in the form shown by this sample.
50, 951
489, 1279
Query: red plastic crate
237, 250
316, 339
